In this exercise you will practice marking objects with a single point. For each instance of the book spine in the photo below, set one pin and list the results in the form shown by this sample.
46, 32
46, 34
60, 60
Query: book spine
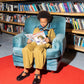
66, 8
82, 21
49, 7
34, 7
79, 7
76, 8
69, 6
60, 6
73, 22
77, 23
79, 41
43, 6
83, 42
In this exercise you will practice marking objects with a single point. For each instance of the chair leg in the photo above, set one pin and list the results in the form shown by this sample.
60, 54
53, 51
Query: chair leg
0, 45
53, 72
18, 67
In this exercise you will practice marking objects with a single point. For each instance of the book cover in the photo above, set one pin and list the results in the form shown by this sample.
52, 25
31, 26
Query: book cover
76, 40
79, 42
61, 7
49, 7
32, 7
73, 22
82, 21
39, 37
76, 8
82, 9
56, 6
68, 5
43, 6
77, 24
52, 7
79, 7
46, 7
80, 25
83, 42
65, 6
35, 9
16, 7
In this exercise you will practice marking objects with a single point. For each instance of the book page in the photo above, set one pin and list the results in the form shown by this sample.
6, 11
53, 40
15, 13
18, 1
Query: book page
29, 36
39, 38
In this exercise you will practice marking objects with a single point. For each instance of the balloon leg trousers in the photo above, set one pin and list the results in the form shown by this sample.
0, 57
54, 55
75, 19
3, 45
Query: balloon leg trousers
33, 51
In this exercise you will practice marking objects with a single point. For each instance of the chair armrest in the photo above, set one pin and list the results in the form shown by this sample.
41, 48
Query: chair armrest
20, 40
59, 42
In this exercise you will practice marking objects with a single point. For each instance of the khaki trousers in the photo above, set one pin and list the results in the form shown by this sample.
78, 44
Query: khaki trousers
31, 51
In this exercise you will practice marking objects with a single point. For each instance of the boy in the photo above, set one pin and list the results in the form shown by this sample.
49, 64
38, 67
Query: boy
32, 50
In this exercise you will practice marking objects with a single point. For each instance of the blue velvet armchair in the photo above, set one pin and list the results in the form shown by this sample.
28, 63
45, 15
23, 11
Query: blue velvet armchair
54, 54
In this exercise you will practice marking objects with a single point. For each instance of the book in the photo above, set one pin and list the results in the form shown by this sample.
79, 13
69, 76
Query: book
76, 8
82, 21
76, 40
39, 37
83, 42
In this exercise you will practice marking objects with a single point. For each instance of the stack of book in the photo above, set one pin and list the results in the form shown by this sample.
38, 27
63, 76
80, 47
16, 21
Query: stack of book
74, 39
14, 17
1, 26
11, 28
77, 24
51, 7
79, 40
8, 7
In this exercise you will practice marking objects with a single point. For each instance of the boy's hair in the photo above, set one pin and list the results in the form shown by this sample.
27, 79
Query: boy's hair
44, 14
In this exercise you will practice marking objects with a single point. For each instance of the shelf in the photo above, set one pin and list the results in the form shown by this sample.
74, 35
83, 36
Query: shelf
52, 13
10, 0
75, 47
13, 33
68, 14
15, 23
75, 31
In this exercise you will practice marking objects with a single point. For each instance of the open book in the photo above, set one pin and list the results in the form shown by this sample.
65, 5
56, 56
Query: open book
39, 37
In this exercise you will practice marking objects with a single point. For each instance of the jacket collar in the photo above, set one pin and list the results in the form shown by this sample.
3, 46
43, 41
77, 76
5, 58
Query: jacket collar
48, 26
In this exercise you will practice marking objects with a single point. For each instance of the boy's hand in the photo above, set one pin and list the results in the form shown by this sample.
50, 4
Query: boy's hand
29, 41
47, 39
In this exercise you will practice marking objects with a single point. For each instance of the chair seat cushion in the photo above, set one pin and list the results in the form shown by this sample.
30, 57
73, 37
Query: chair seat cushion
50, 53
17, 51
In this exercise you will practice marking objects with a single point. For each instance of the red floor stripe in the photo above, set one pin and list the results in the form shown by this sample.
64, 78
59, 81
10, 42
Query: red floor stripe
67, 74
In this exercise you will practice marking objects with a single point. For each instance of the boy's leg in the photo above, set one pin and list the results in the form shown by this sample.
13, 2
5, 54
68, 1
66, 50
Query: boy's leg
40, 58
28, 55
27, 60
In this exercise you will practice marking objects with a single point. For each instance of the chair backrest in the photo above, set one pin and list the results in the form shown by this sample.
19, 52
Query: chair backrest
58, 23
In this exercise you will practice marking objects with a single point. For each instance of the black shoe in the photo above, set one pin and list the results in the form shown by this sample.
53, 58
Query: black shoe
20, 77
36, 80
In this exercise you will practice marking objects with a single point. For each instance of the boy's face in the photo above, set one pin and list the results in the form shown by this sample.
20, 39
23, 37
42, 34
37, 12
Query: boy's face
43, 22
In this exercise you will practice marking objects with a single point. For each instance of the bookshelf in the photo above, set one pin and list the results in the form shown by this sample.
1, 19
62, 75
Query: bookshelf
15, 23
10, 0
75, 47
75, 31
52, 13
13, 33
68, 30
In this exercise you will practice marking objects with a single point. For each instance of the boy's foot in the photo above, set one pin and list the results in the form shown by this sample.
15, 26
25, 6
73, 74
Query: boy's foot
37, 80
22, 76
